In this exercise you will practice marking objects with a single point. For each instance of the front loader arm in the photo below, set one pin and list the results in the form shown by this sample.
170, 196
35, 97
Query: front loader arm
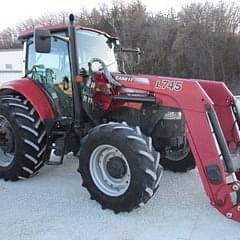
211, 131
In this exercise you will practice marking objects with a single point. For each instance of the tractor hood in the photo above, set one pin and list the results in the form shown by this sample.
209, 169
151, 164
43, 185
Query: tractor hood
151, 82
175, 92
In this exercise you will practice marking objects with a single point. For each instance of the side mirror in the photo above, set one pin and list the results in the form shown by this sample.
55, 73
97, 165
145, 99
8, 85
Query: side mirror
42, 40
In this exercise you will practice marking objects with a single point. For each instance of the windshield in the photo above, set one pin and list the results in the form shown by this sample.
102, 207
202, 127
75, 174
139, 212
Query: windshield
95, 45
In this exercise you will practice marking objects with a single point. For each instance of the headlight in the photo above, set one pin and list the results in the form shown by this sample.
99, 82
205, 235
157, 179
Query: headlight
172, 116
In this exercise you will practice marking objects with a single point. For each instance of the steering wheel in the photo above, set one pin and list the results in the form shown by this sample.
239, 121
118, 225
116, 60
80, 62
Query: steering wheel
105, 71
35, 72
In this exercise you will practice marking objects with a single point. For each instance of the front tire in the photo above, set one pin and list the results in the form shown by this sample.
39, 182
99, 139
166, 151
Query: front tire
173, 159
182, 164
23, 138
119, 167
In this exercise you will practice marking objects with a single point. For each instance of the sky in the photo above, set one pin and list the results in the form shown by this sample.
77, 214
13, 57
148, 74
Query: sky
13, 12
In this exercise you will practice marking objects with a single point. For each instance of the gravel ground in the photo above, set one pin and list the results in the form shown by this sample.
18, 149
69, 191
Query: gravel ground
53, 205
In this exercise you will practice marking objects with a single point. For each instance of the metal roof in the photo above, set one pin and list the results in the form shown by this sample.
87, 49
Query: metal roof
57, 28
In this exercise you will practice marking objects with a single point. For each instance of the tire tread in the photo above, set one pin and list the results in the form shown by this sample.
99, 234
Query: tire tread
23, 118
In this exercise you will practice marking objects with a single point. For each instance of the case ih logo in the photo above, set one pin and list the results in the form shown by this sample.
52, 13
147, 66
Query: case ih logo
124, 78
169, 84
131, 79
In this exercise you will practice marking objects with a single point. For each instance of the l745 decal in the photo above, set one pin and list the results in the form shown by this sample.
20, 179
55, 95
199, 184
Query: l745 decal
169, 84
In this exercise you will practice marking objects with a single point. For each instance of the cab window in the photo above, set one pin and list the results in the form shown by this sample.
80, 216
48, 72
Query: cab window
52, 72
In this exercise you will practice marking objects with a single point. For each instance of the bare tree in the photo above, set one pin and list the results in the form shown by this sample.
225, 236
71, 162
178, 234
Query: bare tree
199, 41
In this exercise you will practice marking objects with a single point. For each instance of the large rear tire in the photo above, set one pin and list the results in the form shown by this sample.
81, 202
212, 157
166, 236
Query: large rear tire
119, 167
23, 138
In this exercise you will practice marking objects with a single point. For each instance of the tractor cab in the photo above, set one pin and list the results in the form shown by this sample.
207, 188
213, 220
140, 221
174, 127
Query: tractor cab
51, 70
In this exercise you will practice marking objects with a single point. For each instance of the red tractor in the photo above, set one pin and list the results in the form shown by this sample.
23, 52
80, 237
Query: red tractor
74, 97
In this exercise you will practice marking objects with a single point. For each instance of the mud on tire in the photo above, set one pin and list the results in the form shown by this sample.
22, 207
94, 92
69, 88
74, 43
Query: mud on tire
141, 158
29, 137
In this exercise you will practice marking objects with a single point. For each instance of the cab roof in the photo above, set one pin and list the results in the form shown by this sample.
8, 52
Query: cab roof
57, 28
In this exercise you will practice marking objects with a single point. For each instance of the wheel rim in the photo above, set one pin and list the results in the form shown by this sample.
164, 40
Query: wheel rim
178, 155
7, 143
109, 170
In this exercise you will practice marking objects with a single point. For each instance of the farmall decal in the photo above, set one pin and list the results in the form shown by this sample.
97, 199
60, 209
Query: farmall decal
169, 84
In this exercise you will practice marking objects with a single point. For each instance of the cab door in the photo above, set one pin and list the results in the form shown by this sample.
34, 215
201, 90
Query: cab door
52, 72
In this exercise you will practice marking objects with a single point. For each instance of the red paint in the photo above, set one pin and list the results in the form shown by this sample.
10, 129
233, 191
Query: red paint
34, 94
192, 100
56, 28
